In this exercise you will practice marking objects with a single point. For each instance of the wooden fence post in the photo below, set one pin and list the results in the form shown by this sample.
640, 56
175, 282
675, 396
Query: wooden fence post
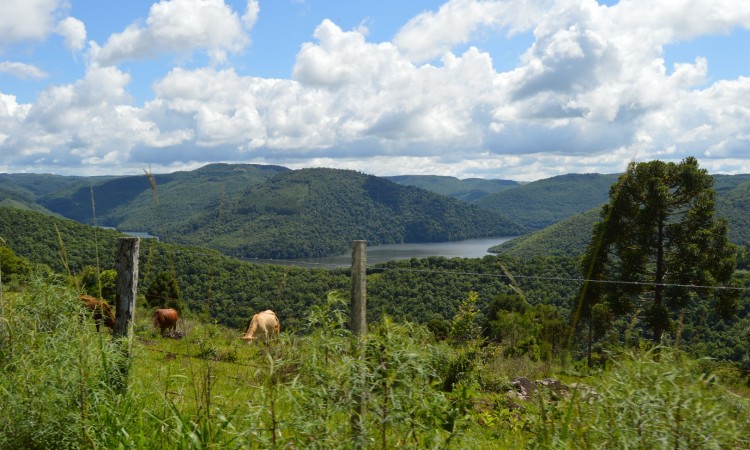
359, 288
126, 264
359, 329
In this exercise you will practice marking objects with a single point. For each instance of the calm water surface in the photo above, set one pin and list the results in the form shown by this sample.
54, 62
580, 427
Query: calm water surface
470, 248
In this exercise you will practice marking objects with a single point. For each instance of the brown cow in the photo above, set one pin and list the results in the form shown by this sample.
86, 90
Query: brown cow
265, 323
165, 319
102, 312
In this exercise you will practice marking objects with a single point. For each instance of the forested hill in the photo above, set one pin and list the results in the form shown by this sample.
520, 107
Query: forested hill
127, 202
316, 212
468, 190
249, 210
570, 236
22, 190
541, 203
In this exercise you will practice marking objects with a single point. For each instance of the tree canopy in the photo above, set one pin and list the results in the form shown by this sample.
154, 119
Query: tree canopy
658, 246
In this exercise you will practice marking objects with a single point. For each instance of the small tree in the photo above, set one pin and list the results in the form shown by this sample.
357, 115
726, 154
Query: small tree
464, 326
102, 284
657, 236
164, 292
12, 267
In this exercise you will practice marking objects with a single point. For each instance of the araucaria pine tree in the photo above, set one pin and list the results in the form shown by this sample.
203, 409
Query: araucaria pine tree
657, 239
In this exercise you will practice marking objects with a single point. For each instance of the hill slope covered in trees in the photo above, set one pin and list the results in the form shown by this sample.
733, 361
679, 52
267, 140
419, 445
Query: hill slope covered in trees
468, 189
570, 236
316, 212
544, 202
261, 211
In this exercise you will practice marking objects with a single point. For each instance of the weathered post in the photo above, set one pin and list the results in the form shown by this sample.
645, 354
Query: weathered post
2, 242
359, 329
126, 264
359, 288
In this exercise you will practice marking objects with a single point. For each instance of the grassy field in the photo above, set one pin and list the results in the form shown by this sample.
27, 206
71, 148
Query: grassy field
60, 387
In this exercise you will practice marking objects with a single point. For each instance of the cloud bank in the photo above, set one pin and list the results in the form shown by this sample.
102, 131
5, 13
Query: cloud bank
590, 94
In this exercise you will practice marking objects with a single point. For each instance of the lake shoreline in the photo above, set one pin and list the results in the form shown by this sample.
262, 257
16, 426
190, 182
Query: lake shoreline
376, 254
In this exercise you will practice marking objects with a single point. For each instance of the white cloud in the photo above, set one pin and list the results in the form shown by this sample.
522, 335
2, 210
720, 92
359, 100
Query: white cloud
21, 70
251, 14
431, 34
73, 32
592, 93
180, 26
22, 20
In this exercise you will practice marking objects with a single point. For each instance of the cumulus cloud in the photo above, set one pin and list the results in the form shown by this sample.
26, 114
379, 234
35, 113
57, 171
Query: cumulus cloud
73, 32
27, 20
432, 34
21, 70
181, 26
591, 93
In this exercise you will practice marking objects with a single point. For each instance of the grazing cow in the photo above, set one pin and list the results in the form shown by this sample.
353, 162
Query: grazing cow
265, 323
165, 319
102, 312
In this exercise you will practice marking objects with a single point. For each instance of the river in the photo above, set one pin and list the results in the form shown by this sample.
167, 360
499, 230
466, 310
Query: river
470, 248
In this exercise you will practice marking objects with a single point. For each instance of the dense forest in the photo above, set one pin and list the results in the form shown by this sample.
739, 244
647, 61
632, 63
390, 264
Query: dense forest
542, 203
264, 211
468, 189
570, 236
314, 212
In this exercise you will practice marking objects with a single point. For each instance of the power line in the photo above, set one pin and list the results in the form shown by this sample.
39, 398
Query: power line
566, 279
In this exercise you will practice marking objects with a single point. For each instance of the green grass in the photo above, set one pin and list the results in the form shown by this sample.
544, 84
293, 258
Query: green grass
58, 389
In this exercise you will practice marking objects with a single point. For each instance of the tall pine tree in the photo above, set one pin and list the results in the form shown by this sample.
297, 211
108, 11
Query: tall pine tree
656, 239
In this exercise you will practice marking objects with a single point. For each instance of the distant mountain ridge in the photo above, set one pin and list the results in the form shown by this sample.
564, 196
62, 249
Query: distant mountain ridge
252, 210
263, 211
314, 212
542, 203
570, 236
468, 189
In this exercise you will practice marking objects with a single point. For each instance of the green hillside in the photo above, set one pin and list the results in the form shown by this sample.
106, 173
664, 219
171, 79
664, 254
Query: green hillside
541, 203
252, 210
567, 238
467, 190
37, 185
317, 212
127, 203
570, 236
229, 291
14, 199
22, 190
733, 203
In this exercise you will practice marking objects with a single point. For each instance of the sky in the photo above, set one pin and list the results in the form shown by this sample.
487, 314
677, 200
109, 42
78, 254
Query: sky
496, 89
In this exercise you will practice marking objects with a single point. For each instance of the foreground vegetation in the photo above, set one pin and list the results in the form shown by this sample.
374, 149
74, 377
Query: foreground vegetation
59, 388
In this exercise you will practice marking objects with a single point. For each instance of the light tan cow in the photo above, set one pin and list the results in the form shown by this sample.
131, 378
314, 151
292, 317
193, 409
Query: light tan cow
265, 324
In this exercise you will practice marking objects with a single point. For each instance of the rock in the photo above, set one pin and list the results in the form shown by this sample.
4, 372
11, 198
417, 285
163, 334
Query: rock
526, 389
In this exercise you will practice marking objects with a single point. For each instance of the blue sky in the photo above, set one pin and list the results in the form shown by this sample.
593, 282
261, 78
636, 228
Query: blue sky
513, 89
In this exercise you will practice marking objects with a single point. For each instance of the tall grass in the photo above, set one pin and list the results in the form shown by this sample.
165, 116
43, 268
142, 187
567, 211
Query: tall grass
211, 390
649, 400
55, 370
